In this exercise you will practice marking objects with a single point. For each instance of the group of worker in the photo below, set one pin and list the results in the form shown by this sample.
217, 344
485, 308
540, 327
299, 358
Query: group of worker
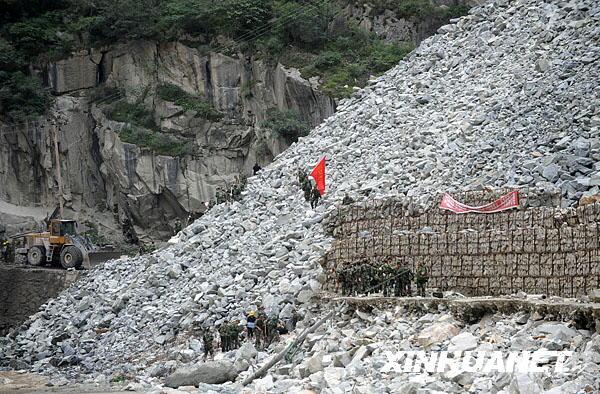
229, 333
261, 328
384, 278
230, 193
311, 192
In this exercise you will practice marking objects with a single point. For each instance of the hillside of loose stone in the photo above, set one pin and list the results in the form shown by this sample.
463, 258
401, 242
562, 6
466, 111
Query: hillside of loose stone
505, 97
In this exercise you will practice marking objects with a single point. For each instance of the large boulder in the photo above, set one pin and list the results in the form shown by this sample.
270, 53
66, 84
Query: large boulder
463, 342
214, 372
437, 333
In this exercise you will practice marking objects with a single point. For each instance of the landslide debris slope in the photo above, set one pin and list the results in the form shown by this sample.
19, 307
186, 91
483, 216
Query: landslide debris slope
506, 96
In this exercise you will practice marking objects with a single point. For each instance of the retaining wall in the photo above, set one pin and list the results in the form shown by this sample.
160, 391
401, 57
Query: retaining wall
23, 290
535, 249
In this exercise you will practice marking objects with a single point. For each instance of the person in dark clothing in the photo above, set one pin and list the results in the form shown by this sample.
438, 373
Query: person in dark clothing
282, 329
347, 200
421, 279
256, 168
251, 324
5, 248
207, 339
224, 336
315, 197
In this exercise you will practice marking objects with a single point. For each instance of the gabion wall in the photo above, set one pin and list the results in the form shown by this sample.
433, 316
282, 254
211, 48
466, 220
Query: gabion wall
535, 249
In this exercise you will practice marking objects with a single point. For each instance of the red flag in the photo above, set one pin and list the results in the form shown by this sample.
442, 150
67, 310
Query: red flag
318, 173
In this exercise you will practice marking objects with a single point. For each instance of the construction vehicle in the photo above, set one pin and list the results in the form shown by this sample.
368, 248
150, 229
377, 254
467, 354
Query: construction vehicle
60, 244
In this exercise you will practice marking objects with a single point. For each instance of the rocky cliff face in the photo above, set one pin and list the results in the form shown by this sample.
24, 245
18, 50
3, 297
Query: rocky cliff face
106, 179
102, 173
390, 26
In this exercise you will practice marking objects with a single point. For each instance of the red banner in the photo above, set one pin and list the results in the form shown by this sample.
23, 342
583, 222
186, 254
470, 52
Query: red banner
508, 201
318, 173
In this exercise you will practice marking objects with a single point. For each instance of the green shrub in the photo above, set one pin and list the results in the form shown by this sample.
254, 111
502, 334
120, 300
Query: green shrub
308, 27
243, 17
273, 46
189, 102
339, 84
192, 17
93, 234
453, 11
133, 113
385, 56
35, 35
22, 97
327, 60
10, 59
159, 143
286, 123
263, 150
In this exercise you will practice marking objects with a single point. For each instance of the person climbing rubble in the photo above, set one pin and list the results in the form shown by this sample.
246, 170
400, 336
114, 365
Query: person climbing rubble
224, 336
347, 200
305, 184
178, 226
315, 196
251, 324
272, 334
261, 328
207, 341
5, 250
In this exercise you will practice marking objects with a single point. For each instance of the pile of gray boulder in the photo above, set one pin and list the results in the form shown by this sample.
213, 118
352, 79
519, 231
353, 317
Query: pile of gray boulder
506, 96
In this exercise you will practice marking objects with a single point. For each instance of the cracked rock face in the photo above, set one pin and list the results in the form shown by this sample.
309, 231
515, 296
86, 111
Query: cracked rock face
492, 117
103, 173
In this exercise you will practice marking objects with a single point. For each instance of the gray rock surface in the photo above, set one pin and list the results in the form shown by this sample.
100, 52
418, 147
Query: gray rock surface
213, 372
102, 174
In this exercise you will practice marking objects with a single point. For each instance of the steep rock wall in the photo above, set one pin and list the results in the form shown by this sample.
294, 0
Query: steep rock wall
107, 179
388, 25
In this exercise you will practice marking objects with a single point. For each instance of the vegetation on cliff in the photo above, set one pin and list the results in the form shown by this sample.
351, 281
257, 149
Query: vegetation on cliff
287, 124
305, 34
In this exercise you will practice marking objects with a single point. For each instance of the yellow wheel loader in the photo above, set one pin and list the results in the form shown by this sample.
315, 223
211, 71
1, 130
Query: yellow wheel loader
60, 244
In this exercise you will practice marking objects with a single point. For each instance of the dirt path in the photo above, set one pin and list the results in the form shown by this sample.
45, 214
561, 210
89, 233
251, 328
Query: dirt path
24, 383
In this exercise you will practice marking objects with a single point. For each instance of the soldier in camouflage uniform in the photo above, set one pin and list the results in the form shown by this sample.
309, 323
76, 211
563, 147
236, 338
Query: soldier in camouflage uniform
261, 327
342, 283
349, 277
409, 276
315, 197
223, 332
421, 279
302, 177
234, 336
271, 326
388, 283
207, 340
305, 184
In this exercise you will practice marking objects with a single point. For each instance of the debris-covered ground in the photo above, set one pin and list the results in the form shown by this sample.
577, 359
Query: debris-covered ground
507, 96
